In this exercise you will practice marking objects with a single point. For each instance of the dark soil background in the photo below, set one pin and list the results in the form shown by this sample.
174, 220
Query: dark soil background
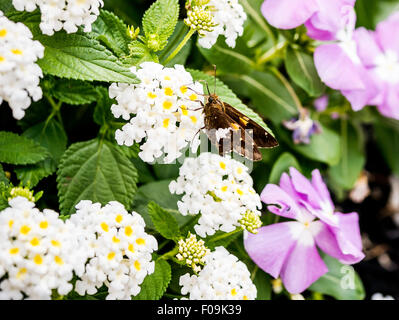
379, 271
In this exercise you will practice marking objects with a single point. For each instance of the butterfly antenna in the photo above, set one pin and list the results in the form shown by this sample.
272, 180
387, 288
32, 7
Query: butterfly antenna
214, 67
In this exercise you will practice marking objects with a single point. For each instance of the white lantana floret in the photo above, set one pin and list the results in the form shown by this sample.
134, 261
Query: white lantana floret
119, 249
38, 252
224, 277
228, 18
164, 110
19, 74
220, 188
63, 14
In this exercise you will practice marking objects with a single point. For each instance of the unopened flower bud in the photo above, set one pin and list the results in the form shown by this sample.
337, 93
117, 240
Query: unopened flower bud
200, 20
133, 33
192, 252
21, 192
250, 221
153, 42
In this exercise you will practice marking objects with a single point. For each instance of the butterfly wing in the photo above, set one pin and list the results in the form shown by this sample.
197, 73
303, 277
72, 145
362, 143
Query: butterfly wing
236, 139
261, 137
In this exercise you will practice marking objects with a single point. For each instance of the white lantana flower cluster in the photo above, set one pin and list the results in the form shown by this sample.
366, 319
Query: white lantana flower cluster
19, 74
220, 188
118, 247
228, 17
164, 110
63, 14
224, 277
38, 252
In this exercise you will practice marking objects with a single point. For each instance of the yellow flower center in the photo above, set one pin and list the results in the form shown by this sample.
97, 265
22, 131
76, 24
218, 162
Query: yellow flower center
183, 89
115, 240
128, 231
35, 242
222, 165
21, 273
16, 51
38, 259
105, 227
137, 265
10, 223
140, 241
193, 119
151, 95
167, 105
24, 230
130, 247
119, 218
55, 243
58, 260
168, 91
193, 97
43, 224
3, 32
184, 110
166, 123
111, 255
14, 250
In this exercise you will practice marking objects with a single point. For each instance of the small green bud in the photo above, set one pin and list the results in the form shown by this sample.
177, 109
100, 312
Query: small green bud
153, 42
21, 192
133, 33
250, 222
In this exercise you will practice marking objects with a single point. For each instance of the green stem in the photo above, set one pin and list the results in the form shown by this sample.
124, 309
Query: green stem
56, 110
225, 235
291, 91
180, 46
169, 254
272, 52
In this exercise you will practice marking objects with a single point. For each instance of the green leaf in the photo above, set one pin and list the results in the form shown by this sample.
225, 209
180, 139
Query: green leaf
30, 175
112, 32
160, 21
15, 149
263, 284
50, 135
341, 281
75, 56
3, 177
158, 191
229, 96
74, 92
353, 159
163, 221
95, 170
155, 284
176, 38
323, 147
387, 138
253, 9
269, 95
301, 69
227, 59
283, 163
102, 112
140, 53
